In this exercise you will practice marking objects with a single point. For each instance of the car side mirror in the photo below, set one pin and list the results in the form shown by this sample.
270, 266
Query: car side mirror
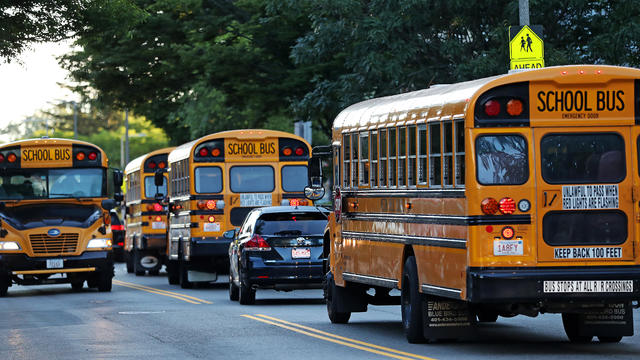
314, 193
229, 234
108, 204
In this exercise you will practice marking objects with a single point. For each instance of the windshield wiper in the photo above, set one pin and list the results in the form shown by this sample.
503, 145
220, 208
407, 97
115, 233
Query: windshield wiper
67, 196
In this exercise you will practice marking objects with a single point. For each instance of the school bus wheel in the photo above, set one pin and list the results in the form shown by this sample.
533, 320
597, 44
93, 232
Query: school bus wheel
333, 296
411, 303
571, 323
5, 282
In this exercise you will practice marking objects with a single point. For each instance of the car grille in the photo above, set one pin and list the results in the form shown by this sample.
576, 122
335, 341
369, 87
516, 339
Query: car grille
43, 244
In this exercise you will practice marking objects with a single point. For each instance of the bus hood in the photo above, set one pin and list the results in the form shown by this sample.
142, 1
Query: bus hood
43, 215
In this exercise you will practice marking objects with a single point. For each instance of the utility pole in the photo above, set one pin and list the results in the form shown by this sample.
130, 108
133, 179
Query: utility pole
126, 136
524, 12
75, 120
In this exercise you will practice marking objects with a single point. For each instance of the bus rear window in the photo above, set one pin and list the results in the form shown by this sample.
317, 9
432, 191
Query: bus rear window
208, 179
245, 179
502, 160
294, 177
582, 158
150, 188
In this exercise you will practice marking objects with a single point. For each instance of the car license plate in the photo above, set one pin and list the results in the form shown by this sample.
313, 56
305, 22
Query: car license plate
158, 225
303, 253
588, 286
55, 263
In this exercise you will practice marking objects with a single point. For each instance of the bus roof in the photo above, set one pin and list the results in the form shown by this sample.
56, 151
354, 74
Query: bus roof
454, 100
135, 164
183, 151
48, 141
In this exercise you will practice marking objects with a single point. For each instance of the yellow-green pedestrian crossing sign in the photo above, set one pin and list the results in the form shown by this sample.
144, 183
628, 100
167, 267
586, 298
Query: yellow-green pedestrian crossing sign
526, 48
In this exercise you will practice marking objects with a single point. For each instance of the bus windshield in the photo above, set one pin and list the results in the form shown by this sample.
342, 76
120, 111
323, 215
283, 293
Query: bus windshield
25, 184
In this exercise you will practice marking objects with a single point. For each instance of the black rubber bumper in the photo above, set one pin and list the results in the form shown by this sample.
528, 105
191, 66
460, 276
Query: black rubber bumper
509, 285
209, 247
18, 262
284, 275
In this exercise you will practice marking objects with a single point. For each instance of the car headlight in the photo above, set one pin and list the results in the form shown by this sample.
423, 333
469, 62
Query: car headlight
9, 245
99, 243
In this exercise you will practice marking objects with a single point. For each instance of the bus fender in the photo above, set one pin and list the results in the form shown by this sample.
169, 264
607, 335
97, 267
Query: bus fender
351, 298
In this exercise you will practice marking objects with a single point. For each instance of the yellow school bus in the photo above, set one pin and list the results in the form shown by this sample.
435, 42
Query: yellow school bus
510, 195
54, 214
214, 182
145, 244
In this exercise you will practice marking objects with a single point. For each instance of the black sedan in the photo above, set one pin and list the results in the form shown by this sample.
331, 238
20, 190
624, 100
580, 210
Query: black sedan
277, 247
117, 228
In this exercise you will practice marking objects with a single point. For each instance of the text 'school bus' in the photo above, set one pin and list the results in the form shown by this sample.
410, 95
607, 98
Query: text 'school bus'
146, 217
214, 182
54, 214
515, 194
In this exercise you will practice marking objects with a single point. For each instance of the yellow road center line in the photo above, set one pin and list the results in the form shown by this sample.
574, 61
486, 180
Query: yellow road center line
330, 339
346, 338
156, 291
165, 291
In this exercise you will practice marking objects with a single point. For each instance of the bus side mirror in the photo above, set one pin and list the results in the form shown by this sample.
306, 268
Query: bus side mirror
118, 197
315, 172
117, 178
108, 204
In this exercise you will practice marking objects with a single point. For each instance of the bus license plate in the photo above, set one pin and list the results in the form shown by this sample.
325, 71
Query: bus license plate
300, 253
158, 225
588, 286
55, 263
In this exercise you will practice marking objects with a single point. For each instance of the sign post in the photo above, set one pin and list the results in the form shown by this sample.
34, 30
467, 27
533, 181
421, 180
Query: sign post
526, 48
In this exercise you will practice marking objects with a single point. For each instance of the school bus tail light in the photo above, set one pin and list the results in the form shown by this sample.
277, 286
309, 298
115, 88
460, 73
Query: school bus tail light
11, 158
162, 165
489, 206
257, 243
158, 218
287, 151
507, 232
215, 152
157, 207
514, 107
210, 204
211, 218
80, 156
92, 156
507, 206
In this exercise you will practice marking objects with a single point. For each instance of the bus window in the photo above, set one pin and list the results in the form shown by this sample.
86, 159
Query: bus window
354, 160
294, 177
208, 179
364, 158
374, 159
393, 148
502, 160
459, 147
422, 154
447, 144
150, 187
411, 174
251, 179
435, 159
402, 156
582, 158
383, 158
346, 141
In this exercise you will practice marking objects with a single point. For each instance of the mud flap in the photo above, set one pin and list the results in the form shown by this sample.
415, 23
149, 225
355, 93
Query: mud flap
447, 318
611, 320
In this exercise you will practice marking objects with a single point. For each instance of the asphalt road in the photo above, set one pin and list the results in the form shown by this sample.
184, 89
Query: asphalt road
146, 318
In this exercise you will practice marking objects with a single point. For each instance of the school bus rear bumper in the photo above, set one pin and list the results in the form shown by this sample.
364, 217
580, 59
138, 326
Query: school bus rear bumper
527, 285
209, 247
89, 261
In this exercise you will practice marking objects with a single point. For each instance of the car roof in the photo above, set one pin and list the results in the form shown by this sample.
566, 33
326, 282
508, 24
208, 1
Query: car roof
286, 209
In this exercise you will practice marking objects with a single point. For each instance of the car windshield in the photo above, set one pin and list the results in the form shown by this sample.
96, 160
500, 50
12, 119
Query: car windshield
293, 224
19, 184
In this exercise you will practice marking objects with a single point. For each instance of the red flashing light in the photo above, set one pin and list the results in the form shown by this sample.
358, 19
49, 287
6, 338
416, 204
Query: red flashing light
151, 164
80, 156
489, 206
287, 151
299, 151
215, 152
507, 206
492, 108
11, 158
117, 227
93, 155
257, 243
508, 232
203, 152
1, 158
162, 165
120, 243
157, 207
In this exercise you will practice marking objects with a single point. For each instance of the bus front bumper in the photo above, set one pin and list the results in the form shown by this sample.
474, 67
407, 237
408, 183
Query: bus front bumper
90, 261
554, 284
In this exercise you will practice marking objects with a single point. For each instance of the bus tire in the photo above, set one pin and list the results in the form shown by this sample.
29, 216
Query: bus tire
173, 272
137, 265
77, 285
5, 282
234, 291
609, 339
411, 303
129, 260
332, 298
184, 276
105, 278
487, 316
571, 324
154, 272
246, 294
